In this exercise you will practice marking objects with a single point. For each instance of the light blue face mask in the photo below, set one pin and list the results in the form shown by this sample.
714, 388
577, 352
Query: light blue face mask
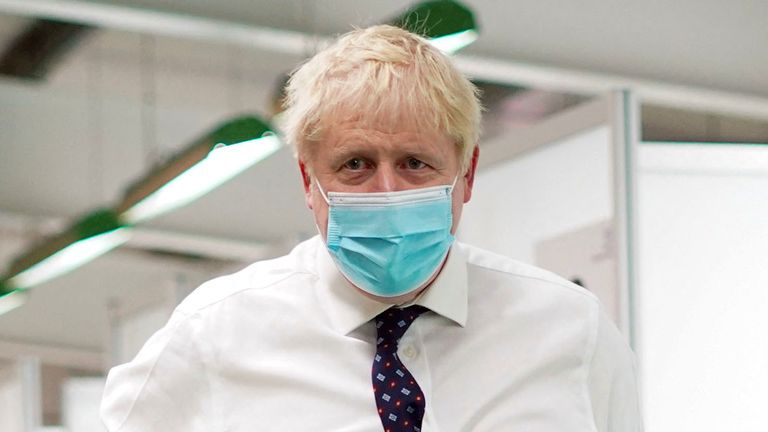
390, 243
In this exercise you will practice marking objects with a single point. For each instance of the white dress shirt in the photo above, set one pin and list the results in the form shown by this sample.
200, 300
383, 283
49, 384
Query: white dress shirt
287, 345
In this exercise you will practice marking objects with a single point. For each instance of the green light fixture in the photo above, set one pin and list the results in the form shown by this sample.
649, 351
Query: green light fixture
449, 25
88, 238
201, 167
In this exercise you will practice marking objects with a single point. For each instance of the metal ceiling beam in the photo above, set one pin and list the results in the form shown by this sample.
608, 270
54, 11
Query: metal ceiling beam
581, 82
163, 24
37, 49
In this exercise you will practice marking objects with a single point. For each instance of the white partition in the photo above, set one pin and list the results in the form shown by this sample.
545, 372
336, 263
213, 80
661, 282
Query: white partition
703, 287
11, 398
559, 188
547, 195
20, 395
81, 398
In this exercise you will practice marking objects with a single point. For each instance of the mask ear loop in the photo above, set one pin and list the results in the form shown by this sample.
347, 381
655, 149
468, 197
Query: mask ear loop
455, 179
322, 193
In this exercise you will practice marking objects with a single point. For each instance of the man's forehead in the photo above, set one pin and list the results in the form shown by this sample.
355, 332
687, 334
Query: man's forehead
349, 130
357, 133
385, 119
396, 144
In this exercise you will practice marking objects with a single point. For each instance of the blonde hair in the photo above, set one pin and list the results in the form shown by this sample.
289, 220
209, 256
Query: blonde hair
381, 74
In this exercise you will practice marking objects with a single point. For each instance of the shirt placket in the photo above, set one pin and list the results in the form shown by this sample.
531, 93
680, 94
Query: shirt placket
412, 353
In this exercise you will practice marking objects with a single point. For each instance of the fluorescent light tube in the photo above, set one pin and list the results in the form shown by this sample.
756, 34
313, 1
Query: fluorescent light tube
70, 258
452, 43
449, 25
200, 168
92, 236
12, 300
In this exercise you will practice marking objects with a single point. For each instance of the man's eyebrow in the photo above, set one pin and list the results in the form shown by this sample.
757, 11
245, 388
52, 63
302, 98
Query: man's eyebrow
346, 151
424, 153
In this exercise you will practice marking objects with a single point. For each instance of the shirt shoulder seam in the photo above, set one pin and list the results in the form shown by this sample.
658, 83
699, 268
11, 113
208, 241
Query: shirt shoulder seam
176, 325
589, 355
202, 307
185, 316
583, 293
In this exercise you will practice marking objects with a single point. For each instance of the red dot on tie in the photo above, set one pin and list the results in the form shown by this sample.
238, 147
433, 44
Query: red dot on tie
397, 403
406, 423
392, 384
418, 398
388, 363
381, 410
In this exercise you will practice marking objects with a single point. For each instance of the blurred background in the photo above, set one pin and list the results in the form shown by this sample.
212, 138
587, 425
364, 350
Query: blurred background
625, 147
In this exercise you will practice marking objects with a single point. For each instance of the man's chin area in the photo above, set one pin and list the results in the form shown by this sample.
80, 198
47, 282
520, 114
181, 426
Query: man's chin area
405, 298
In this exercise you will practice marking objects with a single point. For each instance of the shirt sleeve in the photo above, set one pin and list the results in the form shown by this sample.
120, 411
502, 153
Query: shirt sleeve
164, 388
613, 381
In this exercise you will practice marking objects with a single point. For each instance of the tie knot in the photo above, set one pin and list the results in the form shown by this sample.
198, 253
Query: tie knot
392, 324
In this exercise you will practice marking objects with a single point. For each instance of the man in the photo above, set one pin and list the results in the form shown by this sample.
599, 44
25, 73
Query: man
382, 322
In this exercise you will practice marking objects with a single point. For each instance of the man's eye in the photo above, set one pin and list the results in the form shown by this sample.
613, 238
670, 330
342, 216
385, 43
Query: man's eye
414, 164
355, 164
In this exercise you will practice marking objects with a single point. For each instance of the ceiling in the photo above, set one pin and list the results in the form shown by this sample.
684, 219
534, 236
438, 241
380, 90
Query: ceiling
709, 43
120, 101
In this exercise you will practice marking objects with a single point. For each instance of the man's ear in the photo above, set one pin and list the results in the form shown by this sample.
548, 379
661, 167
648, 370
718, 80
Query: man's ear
307, 180
469, 177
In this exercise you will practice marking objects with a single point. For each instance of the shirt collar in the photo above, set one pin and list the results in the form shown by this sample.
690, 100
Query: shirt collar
348, 308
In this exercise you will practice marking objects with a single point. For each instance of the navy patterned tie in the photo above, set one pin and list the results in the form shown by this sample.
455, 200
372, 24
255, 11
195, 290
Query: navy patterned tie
399, 399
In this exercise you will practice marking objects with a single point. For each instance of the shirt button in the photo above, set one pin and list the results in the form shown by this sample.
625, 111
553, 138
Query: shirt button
409, 352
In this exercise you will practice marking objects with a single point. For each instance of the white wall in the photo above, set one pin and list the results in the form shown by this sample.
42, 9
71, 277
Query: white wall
20, 401
703, 289
547, 192
81, 398
11, 398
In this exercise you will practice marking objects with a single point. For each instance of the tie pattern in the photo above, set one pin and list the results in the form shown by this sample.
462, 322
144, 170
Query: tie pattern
399, 399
